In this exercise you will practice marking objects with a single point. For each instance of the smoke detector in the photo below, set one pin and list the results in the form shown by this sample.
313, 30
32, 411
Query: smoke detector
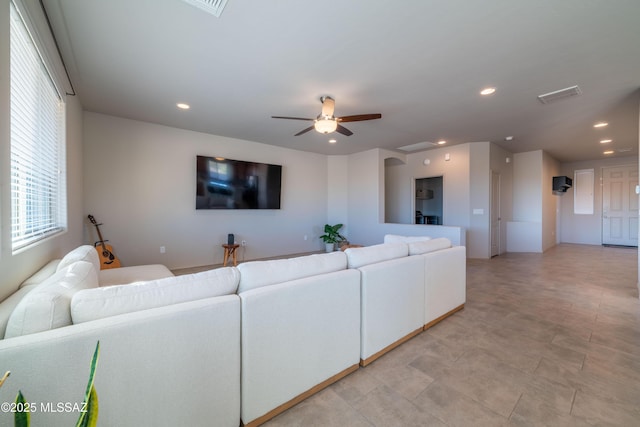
213, 7
557, 95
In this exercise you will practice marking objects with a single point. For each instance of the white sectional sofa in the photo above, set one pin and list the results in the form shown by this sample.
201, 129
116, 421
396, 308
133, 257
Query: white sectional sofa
169, 348
221, 347
300, 330
392, 287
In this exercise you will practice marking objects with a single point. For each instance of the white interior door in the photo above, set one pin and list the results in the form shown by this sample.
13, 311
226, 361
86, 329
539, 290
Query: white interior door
620, 205
495, 214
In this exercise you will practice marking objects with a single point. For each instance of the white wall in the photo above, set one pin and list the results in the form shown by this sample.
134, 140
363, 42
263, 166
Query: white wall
585, 229
140, 182
15, 268
478, 233
367, 199
550, 202
524, 232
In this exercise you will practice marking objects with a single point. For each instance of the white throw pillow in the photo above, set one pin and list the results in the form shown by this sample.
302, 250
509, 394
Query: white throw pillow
82, 253
358, 257
47, 306
417, 248
92, 304
256, 274
395, 238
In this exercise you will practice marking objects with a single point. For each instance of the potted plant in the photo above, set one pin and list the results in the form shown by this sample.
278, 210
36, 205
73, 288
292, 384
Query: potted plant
331, 236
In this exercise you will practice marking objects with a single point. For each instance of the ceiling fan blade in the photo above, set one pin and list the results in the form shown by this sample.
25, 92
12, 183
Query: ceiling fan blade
304, 131
343, 130
359, 117
290, 118
328, 105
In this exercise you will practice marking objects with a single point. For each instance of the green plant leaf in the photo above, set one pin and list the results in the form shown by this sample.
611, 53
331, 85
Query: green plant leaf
90, 417
22, 418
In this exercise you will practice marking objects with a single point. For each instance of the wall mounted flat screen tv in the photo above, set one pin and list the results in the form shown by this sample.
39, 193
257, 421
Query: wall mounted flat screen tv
235, 184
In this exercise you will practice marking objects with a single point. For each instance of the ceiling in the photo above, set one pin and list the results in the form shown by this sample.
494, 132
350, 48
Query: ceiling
421, 64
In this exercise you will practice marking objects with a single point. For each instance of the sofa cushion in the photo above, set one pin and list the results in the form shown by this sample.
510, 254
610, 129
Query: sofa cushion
256, 274
395, 238
92, 304
358, 257
417, 248
136, 273
47, 306
8, 305
81, 253
41, 275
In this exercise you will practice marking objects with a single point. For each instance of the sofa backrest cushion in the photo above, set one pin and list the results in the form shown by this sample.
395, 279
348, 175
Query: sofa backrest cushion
396, 238
82, 253
92, 304
8, 305
256, 274
47, 306
41, 275
418, 248
358, 257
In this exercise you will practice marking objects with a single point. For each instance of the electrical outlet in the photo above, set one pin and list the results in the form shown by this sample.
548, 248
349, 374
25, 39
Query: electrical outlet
163, 249
244, 243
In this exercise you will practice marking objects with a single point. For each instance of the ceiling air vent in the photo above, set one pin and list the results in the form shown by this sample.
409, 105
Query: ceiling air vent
550, 97
213, 7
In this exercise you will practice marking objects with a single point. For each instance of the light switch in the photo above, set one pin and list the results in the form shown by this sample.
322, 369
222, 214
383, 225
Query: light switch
478, 211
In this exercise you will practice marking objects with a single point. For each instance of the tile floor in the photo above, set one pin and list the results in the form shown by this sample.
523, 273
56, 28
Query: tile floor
547, 339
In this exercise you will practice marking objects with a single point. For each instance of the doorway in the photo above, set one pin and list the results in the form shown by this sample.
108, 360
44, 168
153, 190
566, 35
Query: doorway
495, 214
428, 201
620, 205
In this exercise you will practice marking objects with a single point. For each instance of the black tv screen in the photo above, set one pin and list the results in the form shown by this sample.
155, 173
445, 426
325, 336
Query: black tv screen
235, 184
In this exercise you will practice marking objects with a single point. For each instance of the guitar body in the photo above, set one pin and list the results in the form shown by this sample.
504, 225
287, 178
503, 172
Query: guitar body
105, 252
107, 257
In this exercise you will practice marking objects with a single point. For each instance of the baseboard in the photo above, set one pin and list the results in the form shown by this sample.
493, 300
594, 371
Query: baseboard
291, 403
368, 360
441, 318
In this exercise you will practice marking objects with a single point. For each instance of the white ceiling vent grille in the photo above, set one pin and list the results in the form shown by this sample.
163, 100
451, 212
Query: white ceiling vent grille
550, 97
213, 7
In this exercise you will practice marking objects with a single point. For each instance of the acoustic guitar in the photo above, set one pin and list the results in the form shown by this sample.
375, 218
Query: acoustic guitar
105, 252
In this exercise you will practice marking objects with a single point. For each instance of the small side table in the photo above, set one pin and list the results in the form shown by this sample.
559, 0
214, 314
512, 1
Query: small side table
230, 251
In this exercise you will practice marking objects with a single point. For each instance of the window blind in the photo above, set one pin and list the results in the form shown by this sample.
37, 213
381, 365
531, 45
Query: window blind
38, 159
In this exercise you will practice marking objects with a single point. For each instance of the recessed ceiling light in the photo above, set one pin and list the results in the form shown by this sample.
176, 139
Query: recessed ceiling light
600, 125
605, 141
332, 141
508, 138
488, 91
442, 142
183, 106
608, 152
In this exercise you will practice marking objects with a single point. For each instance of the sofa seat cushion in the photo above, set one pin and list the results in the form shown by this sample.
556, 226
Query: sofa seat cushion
395, 238
358, 257
256, 274
82, 253
92, 304
47, 306
137, 273
8, 305
419, 248
41, 275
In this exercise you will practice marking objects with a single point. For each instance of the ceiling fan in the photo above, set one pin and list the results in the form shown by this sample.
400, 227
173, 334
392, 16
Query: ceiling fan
326, 122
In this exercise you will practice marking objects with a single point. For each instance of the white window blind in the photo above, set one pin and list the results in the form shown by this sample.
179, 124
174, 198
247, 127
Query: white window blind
38, 159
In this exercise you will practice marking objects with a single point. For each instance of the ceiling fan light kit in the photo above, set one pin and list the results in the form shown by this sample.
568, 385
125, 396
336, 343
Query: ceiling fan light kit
325, 124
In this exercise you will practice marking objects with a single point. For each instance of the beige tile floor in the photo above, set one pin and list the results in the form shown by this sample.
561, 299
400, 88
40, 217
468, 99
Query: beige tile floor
547, 339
